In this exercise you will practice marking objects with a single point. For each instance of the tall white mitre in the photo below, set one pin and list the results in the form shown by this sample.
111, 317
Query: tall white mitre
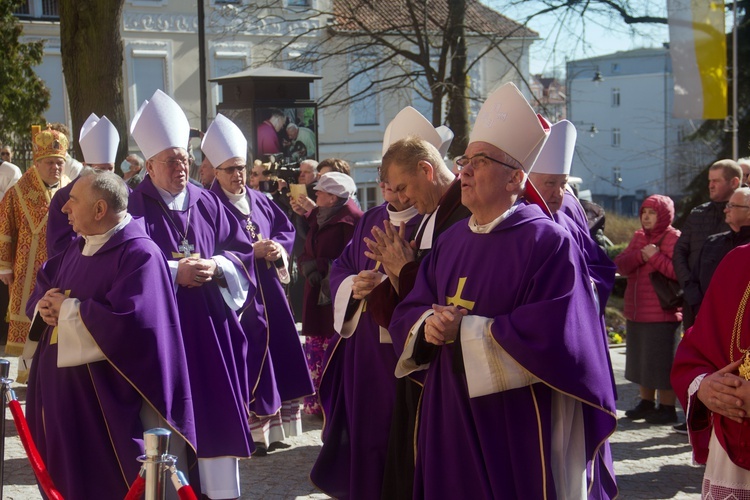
160, 124
508, 122
223, 141
410, 122
557, 154
98, 140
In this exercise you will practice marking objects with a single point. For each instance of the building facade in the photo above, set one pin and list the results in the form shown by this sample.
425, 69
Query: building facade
629, 145
161, 47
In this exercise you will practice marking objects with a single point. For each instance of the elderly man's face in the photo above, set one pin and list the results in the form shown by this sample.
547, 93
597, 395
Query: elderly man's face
50, 169
80, 208
169, 170
737, 211
306, 174
206, 172
551, 187
6, 154
232, 175
484, 187
417, 189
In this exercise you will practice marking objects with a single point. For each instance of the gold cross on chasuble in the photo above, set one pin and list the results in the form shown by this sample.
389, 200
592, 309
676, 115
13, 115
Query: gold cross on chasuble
456, 299
53, 338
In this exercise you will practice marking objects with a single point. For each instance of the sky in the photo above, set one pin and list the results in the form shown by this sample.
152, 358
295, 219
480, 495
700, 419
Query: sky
572, 36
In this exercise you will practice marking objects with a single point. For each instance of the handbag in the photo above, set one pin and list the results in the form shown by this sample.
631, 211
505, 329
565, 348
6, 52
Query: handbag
667, 290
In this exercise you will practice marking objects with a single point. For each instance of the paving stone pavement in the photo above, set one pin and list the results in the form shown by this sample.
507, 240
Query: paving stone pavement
651, 462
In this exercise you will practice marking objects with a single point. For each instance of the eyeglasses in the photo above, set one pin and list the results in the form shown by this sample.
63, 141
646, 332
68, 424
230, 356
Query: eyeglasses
480, 160
731, 205
4, 153
175, 162
232, 170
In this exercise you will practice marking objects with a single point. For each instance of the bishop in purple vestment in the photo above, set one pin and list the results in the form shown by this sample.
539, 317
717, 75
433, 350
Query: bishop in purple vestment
114, 365
358, 389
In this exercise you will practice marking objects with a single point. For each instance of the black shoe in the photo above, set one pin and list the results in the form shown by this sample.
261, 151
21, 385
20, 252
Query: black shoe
260, 450
681, 428
663, 415
641, 410
278, 445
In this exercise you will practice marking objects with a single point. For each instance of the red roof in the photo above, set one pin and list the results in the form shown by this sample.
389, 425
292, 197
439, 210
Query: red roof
393, 15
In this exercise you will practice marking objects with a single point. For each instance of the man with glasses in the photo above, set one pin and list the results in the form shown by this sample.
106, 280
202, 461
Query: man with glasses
211, 259
517, 399
9, 173
724, 177
737, 217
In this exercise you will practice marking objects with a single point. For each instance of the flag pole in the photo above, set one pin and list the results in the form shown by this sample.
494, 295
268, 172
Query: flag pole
735, 76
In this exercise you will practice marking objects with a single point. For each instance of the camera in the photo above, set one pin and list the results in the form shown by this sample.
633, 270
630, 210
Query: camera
279, 167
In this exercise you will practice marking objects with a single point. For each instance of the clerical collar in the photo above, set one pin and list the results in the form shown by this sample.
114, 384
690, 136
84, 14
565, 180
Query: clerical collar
174, 202
239, 200
51, 186
486, 228
397, 218
95, 241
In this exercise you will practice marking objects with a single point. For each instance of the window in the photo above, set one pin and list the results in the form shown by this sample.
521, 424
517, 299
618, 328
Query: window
226, 61
615, 137
615, 67
367, 196
298, 3
149, 68
363, 88
615, 97
39, 9
51, 72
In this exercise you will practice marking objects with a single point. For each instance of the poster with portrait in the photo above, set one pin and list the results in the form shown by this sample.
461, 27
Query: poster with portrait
289, 134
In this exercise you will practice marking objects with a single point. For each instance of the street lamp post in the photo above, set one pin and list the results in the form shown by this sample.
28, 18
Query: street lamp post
617, 181
597, 78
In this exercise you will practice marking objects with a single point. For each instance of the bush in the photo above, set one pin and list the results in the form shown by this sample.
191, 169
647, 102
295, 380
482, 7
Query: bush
615, 250
619, 229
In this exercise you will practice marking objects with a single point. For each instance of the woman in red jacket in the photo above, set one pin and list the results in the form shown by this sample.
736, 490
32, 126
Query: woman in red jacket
331, 228
653, 333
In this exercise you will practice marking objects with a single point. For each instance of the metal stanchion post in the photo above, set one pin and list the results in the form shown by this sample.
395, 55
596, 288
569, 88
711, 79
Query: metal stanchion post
5, 381
156, 443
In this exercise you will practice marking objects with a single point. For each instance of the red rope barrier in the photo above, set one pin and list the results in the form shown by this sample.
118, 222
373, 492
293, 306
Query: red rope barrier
137, 489
42, 474
186, 493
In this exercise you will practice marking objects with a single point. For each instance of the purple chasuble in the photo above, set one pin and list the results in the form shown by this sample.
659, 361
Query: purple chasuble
215, 345
85, 419
528, 276
572, 208
275, 356
358, 388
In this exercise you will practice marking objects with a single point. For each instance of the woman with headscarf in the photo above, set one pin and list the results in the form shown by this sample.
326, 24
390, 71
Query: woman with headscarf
332, 225
652, 332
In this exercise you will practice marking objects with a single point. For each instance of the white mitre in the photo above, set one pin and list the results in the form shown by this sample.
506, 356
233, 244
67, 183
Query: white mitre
447, 135
160, 124
508, 122
557, 154
410, 122
223, 141
99, 140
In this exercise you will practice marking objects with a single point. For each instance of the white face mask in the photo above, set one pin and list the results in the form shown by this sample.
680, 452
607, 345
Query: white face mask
125, 166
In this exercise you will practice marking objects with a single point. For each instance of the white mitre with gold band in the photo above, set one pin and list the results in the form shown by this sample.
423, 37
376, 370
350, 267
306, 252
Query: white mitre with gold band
508, 122
99, 140
223, 141
160, 124
411, 123
557, 154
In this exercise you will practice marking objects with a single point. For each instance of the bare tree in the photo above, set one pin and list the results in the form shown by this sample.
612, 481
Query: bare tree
429, 47
92, 57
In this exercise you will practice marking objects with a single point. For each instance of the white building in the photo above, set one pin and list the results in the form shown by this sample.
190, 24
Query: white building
161, 51
629, 145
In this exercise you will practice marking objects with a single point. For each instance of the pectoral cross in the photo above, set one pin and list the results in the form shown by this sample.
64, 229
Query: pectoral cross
456, 299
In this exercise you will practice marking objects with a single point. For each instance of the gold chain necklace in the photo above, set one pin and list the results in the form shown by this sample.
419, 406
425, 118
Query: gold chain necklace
745, 366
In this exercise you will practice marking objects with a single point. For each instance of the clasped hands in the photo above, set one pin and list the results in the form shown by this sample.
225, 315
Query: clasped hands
442, 327
390, 248
267, 249
193, 272
725, 393
49, 306
649, 251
